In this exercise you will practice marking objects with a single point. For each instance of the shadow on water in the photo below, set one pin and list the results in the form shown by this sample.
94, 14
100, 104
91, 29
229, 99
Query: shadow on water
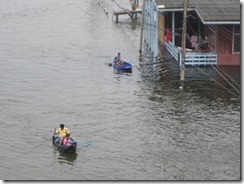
67, 158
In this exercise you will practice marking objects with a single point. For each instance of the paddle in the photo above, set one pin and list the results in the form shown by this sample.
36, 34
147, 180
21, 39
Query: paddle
88, 143
54, 135
110, 64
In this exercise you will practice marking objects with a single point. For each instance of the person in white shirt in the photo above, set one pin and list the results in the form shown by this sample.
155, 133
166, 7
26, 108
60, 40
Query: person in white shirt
118, 60
194, 41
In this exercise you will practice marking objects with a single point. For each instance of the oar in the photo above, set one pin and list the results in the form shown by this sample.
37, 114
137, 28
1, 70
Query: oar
54, 135
88, 143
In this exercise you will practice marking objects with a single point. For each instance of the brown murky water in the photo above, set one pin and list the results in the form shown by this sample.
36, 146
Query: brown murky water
53, 69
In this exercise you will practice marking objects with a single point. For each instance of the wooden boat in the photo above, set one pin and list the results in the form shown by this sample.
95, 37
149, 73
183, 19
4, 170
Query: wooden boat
64, 148
126, 67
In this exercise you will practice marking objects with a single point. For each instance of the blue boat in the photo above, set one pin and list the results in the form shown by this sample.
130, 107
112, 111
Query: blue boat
64, 148
126, 67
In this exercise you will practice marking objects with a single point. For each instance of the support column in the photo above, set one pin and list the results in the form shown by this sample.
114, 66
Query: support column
156, 31
183, 50
173, 28
142, 27
151, 25
147, 22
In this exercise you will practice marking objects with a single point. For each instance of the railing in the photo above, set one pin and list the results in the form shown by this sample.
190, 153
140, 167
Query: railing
192, 58
172, 50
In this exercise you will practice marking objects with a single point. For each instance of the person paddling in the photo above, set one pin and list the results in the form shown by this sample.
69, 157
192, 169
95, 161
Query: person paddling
61, 132
118, 60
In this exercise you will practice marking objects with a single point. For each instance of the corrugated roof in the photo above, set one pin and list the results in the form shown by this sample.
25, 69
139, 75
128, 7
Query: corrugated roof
208, 10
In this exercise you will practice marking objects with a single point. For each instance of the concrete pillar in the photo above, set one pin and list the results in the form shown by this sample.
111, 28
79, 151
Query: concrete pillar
156, 31
173, 28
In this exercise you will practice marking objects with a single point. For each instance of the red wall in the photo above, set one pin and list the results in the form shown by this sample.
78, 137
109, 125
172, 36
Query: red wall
224, 47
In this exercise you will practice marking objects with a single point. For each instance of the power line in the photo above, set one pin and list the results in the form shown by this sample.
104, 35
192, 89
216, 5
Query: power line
215, 80
219, 73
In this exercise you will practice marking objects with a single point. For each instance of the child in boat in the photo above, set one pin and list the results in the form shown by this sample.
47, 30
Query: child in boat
118, 60
67, 140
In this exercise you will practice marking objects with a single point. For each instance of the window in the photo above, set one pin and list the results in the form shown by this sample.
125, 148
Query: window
236, 39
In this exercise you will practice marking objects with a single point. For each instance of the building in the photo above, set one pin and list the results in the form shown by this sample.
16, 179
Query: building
213, 30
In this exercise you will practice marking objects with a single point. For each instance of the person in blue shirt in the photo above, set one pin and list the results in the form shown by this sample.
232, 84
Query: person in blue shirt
118, 60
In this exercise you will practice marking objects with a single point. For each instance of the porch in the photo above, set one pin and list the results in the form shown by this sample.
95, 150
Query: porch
192, 57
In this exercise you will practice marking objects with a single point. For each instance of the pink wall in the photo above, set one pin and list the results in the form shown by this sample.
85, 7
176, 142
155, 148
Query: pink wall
224, 47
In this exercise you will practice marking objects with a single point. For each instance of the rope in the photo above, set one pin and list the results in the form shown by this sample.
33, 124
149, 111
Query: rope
201, 51
218, 72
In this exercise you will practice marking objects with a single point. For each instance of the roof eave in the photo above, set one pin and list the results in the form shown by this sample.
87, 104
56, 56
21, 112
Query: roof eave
221, 22
173, 9
217, 21
203, 21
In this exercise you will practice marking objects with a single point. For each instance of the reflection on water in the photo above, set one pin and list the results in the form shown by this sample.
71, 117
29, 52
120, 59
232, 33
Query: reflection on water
65, 158
208, 82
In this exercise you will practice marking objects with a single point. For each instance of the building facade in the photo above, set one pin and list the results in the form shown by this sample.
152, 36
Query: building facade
213, 30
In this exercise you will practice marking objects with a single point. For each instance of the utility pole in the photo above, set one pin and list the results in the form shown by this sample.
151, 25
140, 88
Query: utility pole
183, 43
142, 26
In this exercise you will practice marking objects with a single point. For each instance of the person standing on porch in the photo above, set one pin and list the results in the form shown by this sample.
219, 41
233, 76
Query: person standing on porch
194, 41
168, 35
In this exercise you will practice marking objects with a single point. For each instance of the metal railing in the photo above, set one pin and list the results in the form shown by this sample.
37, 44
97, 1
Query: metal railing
192, 58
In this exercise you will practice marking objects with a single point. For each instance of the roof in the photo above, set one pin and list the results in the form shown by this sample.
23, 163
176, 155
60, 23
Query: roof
210, 11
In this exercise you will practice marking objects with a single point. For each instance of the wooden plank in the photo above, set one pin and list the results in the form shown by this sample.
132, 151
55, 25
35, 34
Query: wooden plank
124, 12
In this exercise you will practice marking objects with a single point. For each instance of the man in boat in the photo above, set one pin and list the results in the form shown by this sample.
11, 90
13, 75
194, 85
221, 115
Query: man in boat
118, 60
61, 132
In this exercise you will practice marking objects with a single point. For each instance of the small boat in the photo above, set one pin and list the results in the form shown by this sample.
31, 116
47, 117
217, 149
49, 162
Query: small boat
126, 67
64, 148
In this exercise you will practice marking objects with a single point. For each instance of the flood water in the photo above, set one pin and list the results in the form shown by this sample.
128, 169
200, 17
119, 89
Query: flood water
54, 69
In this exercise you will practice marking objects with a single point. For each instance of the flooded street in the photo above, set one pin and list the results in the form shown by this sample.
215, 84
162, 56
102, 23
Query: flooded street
143, 126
